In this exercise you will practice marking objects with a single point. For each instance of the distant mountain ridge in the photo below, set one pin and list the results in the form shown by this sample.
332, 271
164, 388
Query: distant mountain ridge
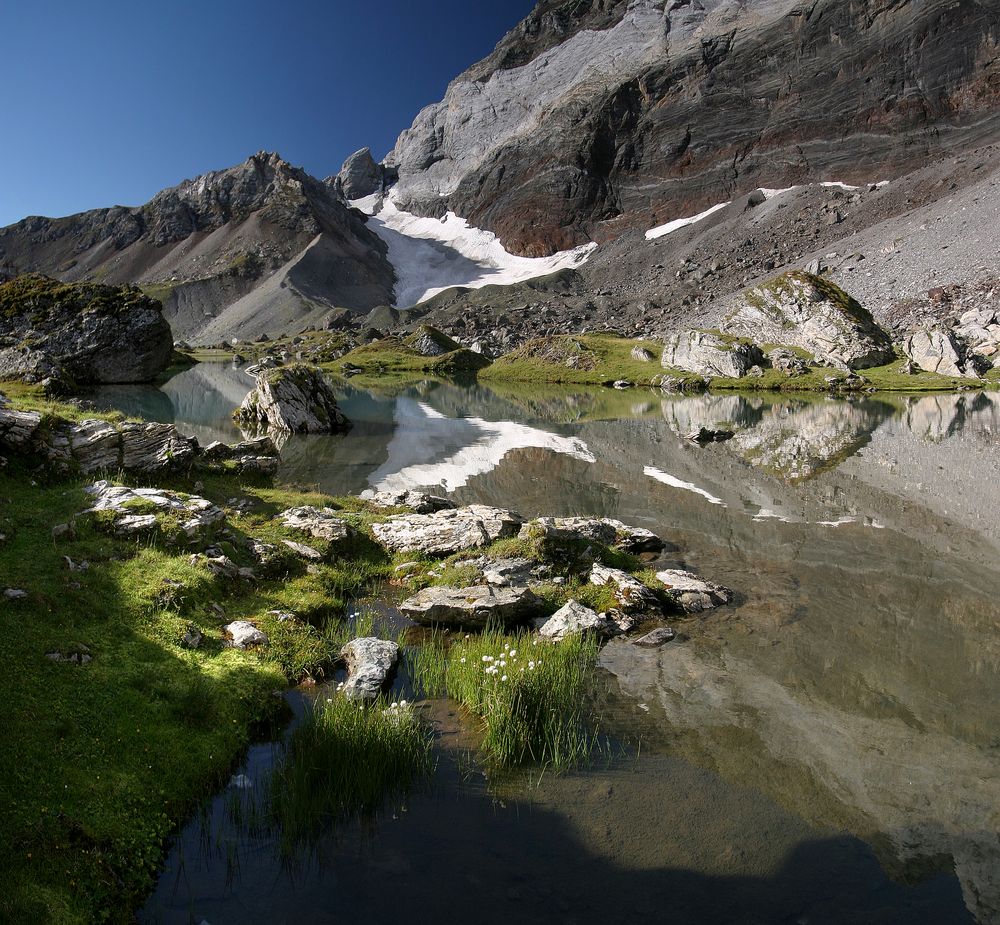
232, 251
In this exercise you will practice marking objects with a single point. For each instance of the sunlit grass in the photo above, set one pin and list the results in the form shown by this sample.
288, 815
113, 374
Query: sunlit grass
528, 695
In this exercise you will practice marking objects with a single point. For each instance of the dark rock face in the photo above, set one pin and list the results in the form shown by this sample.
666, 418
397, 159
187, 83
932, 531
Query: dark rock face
268, 222
88, 332
609, 115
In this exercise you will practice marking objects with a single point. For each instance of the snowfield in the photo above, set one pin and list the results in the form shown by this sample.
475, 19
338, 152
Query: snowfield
431, 255
660, 230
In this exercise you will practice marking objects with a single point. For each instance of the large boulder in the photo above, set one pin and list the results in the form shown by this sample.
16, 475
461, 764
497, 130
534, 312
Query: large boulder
445, 532
937, 351
430, 342
419, 501
292, 399
84, 332
370, 666
472, 608
632, 596
803, 310
321, 523
601, 530
709, 354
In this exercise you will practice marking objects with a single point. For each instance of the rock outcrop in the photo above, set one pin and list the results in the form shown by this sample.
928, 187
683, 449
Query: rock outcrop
445, 532
802, 310
691, 593
361, 175
321, 523
472, 608
85, 333
707, 354
292, 399
137, 510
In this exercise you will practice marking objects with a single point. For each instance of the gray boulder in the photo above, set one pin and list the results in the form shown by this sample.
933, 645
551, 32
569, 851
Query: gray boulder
709, 354
370, 665
444, 532
244, 635
573, 618
322, 523
292, 399
430, 342
472, 608
937, 351
802, 310
691, 593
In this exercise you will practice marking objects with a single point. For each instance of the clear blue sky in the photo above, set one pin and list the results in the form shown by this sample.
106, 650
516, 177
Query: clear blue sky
107, 102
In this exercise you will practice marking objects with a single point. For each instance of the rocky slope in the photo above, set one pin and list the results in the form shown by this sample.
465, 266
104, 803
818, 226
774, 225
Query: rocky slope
239, 252
594, 117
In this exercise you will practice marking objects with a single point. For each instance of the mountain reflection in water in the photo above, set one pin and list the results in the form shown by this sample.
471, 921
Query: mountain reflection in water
852, 689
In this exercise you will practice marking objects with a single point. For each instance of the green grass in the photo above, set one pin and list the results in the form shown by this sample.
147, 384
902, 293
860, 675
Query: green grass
346, 760
590, 359
392, 356
529, 696
102, 761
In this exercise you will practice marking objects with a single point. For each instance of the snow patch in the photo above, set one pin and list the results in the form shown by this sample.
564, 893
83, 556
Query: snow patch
675, 482
660, 230
431, 255
430, 450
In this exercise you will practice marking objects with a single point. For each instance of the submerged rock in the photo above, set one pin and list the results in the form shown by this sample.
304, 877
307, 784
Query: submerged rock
472, 608
370, 666
445, 532
691, 593
709, 354
658, 637
810, 312
603, 530
292, 399
574, 618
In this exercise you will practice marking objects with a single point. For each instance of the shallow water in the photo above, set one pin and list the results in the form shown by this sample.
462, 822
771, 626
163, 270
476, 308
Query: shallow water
826, 750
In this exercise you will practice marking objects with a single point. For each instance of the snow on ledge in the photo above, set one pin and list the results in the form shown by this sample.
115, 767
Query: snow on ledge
431, 255
660, 230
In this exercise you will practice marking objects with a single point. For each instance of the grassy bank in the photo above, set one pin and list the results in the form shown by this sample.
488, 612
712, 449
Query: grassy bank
102, 759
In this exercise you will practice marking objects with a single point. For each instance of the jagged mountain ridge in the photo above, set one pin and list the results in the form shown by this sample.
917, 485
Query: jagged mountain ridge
230, 252
593, 117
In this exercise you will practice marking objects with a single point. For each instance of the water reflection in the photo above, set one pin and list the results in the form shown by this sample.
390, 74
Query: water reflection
853, 689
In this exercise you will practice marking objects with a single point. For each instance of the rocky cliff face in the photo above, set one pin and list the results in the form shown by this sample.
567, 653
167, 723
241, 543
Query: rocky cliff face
594, 117
256, 248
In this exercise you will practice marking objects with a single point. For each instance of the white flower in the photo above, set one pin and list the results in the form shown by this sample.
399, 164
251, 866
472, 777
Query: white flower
487, 658
531, 665
504, 678
463, 661
402, 703
513, 653
503, 663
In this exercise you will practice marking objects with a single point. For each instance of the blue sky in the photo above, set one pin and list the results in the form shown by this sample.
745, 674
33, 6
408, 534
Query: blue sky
108, 102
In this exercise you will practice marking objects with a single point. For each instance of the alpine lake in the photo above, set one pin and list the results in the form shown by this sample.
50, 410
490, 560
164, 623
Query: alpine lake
826, 748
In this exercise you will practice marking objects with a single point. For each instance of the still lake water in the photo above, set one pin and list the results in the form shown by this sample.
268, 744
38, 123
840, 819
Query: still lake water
825, 750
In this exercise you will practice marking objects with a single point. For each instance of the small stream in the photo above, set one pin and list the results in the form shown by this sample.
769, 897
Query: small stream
825, 750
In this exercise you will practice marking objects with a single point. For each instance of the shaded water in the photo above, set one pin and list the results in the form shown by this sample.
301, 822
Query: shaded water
826, 750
